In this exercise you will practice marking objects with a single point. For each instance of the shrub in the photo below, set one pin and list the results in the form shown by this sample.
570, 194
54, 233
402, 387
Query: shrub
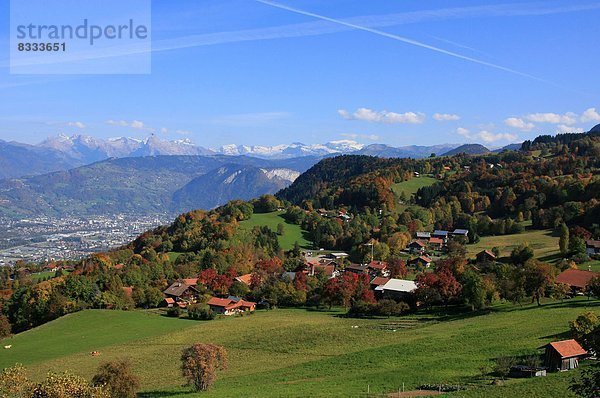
67, 385
118, 379
200, 312
174, 312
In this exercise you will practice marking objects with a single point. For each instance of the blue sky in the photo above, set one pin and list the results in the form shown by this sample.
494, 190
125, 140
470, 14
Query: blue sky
395, 72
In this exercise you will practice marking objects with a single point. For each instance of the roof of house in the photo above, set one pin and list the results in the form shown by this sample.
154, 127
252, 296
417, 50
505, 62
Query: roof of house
568, 348
178, 288
436, 241
356, 267
422, 258
169, 300
378, 264
460, 232
423, 234
379, 280
486, 252
593, 243
440, 233
417, 243
247, 279
339, 254
576, 277
228, 303
190, 281
398, 285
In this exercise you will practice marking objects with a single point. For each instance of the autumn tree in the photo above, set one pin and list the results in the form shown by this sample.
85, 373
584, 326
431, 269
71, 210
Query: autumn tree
67, 385
538, 276
5, 327
200, 363
14, 382
117, 378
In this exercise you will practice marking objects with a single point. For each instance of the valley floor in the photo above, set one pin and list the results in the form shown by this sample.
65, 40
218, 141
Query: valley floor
299, 353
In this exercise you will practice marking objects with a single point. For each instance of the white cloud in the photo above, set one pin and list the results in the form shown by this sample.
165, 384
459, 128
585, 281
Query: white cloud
78, 125
369, 115
442, 117
485, 135
370, 137
136, 124
464, 132
561, 128
519, 123
554, 118
489, 137
164, 130
183, 132
590, 115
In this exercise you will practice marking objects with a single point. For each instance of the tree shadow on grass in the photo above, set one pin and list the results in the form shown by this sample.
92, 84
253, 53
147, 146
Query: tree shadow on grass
159, 394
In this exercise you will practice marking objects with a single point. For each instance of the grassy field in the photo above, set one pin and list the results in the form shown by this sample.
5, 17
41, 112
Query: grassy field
298, 353
543, 243
411, 186
291, 233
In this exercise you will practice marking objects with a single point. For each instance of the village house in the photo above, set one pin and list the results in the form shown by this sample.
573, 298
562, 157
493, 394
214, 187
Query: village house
358, 269
485, 256
460, 233
443, 235
416, 247
245, 279
592, 247
181, 293
563, 355
576, 279
377, 268
420, 262
397, 289
378, 281
230, 305
436, 244
423, 235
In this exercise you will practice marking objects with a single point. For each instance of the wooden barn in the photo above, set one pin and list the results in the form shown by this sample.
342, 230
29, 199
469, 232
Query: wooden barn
563, 355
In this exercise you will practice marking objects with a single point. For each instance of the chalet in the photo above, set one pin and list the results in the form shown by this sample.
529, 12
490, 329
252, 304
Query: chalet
51, 268
358, 269
592, 247
576, 279
378, 281
181, 292
461, 233
423, 235
338, 255
436, 244
316, 265
230, 306
563, 355
421, 261
416, 247
191, 281
245, 279
169, 302
396, 289
441, 235
378, 268
485, 256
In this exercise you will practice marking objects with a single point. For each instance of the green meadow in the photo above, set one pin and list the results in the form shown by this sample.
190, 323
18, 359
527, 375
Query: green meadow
411, 186
292, 233
543, 243
299, 353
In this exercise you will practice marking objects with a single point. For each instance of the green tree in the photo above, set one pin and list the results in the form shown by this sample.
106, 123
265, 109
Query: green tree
521, 254
576, 246
280, 229
117, 379
563, 242
200, 363
473, 290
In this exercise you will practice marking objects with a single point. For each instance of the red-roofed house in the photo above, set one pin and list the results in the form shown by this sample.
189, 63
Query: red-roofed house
245, 279
563, 355
229, 306
485, 255
378, 281
436, 243
421, 261
191, 281
577, 279
169, 301
379, 268
416, 247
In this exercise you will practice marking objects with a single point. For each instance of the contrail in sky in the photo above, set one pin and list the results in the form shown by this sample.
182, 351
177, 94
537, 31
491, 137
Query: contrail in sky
399, 38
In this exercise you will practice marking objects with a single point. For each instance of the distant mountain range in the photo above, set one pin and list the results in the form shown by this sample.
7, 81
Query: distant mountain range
64, 152
148, 185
